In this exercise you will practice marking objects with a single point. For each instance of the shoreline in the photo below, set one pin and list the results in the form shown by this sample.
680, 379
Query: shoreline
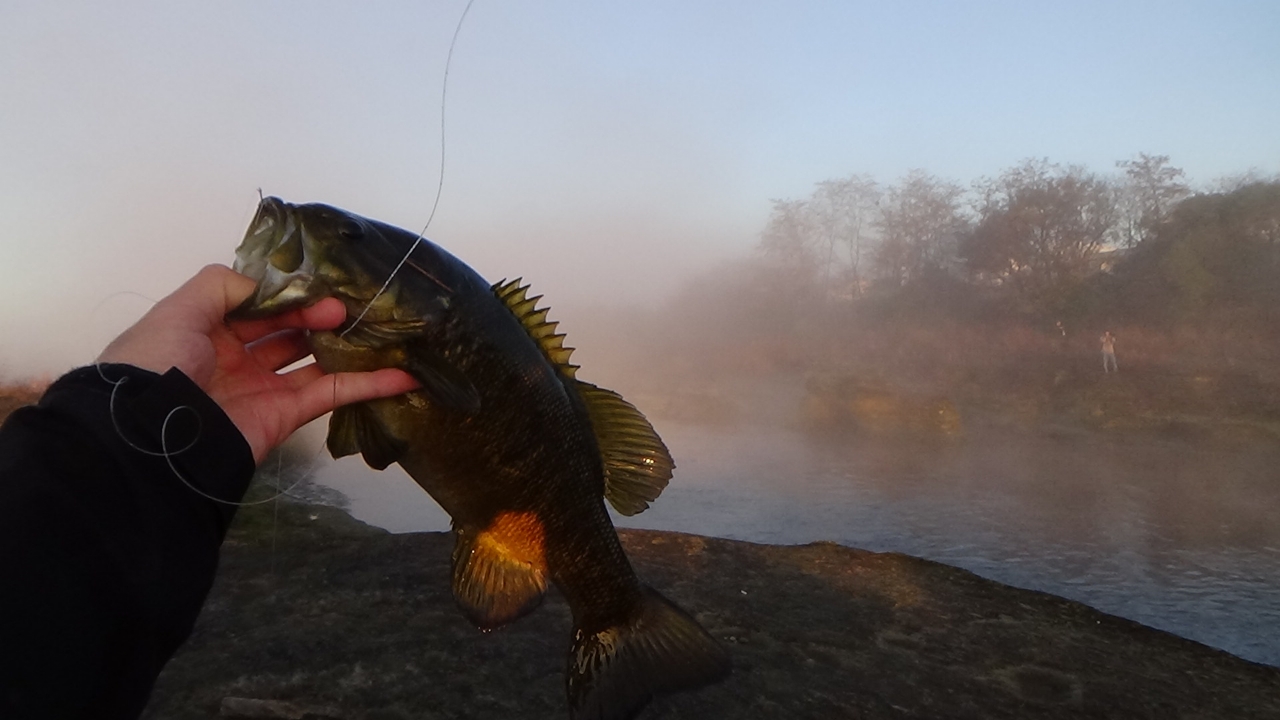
320, 611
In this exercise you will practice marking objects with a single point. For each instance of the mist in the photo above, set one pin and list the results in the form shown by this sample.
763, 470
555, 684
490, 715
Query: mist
606, 155
795, 235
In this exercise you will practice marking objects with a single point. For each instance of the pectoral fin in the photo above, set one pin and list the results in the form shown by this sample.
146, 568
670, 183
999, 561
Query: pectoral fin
441, 380
357, 429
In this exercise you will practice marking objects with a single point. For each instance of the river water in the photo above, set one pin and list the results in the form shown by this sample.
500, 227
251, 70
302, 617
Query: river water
1182, 537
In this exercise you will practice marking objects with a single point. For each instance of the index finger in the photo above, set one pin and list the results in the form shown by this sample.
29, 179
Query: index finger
211, 293
218, 282
326, 314
208, 296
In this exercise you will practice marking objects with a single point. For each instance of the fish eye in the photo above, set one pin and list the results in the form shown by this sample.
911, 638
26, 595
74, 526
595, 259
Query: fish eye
350, 230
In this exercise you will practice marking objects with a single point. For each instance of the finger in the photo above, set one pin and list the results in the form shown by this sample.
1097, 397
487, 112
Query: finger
217, 287
299, 378
162, 337
280, 349
326, 314
325, 393
236, 288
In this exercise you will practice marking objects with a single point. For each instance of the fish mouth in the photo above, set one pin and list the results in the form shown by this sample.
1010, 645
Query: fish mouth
273, 253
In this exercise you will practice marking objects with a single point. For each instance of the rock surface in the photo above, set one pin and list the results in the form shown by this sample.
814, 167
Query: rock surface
314, 609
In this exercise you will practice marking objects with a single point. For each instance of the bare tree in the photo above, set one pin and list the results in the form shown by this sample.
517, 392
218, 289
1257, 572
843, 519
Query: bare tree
921, 219
1040, 227
791, 252
1150, 190
843, 211
1236, 181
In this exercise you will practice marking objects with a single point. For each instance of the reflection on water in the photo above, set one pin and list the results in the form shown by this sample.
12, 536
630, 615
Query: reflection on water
1179, 537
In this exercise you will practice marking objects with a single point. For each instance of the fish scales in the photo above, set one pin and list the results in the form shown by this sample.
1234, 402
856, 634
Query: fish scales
502, 435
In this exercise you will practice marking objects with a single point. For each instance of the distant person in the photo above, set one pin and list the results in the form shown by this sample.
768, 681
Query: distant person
107, 549
1109, 353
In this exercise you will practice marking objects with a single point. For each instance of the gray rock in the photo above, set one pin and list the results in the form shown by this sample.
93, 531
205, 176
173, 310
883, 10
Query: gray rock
363, 621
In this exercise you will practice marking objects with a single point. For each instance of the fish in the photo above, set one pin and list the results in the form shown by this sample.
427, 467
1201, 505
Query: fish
502, 434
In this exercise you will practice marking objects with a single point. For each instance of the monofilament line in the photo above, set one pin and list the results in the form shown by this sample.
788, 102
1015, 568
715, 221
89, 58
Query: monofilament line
444, 94
168, 454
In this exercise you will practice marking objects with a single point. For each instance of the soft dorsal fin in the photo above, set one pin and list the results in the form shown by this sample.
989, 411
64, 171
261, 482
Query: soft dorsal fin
637, 465
534, 319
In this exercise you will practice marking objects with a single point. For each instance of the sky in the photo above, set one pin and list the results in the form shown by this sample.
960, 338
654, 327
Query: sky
603, 151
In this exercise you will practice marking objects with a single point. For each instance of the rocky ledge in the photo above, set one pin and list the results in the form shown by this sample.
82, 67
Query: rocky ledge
316, 615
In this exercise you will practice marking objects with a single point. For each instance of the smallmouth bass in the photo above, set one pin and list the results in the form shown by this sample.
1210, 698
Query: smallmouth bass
502, 434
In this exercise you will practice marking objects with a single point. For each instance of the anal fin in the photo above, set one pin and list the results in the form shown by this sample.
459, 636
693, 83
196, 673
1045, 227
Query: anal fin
499, 572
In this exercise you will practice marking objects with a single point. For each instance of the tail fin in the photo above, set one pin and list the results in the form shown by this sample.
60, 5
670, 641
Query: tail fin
660, 649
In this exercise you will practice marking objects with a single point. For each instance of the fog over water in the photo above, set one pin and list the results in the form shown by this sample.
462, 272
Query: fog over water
623, 160
1178, 537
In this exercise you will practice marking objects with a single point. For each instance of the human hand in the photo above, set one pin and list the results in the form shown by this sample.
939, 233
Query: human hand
236, 362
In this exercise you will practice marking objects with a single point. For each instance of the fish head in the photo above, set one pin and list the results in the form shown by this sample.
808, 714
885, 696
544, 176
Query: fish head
299, 254
272, 253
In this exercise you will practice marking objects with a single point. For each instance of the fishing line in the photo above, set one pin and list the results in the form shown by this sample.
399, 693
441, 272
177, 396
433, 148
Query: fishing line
444, 94
164, 429
275, 509
168, 454
111, 412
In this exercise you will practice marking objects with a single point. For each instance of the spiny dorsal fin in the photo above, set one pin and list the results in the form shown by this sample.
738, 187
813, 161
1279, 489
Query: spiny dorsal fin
637, 465
513, 295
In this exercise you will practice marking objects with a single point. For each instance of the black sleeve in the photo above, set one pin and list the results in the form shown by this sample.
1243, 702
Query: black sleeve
106, 555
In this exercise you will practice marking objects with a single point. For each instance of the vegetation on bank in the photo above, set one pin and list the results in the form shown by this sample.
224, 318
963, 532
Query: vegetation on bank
925, 297
930, 299
1041, 240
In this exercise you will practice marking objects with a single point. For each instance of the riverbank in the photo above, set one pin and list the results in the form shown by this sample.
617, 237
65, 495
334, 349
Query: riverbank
319, 611
1215, 379
1053, 397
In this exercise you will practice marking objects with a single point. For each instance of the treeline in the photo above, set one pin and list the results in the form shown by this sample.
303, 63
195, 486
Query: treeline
1041, 240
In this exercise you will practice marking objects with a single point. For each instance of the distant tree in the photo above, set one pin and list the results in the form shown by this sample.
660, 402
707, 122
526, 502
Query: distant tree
1039, 230
1236, 181
1260, 219
791, 253
1149, 191
1217, 250
843, 211
921, 218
